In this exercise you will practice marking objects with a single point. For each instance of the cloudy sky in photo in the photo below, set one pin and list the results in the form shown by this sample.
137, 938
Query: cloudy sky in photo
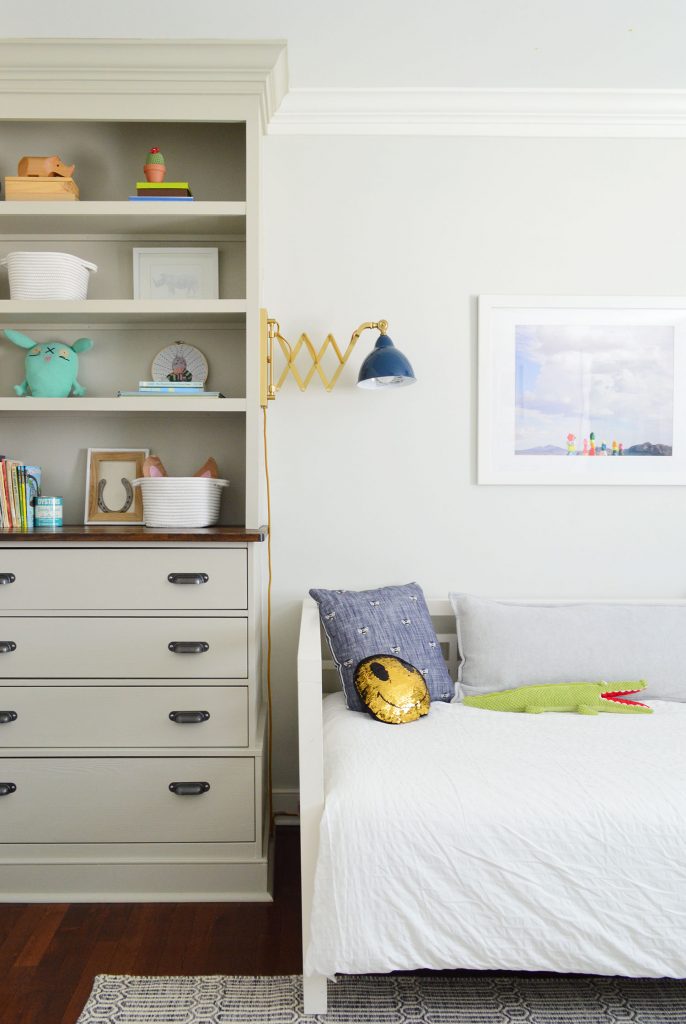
617, 381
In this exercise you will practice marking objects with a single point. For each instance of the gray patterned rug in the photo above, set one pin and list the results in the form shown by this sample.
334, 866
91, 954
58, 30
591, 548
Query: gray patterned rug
466, 998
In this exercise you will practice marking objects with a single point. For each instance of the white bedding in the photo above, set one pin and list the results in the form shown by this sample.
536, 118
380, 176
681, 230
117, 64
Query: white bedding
481, 839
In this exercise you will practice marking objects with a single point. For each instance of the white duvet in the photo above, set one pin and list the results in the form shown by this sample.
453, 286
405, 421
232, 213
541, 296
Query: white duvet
482, 839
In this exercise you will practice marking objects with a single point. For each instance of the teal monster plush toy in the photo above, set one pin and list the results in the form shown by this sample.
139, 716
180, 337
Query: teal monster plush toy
51, 367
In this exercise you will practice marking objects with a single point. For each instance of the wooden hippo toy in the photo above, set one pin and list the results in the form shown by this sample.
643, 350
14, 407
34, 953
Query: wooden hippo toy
44, 167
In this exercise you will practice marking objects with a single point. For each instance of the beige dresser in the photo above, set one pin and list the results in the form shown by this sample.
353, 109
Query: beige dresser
132, 731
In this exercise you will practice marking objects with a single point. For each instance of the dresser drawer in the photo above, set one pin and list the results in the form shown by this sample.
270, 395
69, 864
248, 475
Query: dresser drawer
123, 716
62, 647
126, 799
124, 578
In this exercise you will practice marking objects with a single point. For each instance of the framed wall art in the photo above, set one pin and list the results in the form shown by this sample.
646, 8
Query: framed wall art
582, 390
110, 497
180, 363
178, 273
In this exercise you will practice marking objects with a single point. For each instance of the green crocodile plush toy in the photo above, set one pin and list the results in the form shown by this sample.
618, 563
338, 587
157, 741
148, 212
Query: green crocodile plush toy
584, 698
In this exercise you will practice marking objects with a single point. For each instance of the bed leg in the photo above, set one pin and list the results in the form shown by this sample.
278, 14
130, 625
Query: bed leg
314, 993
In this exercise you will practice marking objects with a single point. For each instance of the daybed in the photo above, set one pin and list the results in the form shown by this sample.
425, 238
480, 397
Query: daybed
487, 840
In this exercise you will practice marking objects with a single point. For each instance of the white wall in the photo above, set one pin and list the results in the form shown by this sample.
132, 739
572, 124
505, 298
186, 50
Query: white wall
371, 488
581, 43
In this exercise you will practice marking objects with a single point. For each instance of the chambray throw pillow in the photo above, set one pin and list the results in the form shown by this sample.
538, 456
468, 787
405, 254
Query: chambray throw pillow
391, 620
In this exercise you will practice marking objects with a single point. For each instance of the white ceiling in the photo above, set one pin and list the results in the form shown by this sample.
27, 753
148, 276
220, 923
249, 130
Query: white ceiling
598, 44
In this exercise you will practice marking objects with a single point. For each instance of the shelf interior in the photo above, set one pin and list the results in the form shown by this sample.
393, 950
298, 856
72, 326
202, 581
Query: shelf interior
109, 155
104, 227
62, 453
122, 356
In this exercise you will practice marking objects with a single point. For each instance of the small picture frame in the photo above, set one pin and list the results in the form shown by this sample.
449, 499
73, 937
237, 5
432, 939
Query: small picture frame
110, 497
180, 273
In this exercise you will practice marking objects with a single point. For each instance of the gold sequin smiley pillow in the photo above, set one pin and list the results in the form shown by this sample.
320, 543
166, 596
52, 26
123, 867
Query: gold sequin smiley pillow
391, 690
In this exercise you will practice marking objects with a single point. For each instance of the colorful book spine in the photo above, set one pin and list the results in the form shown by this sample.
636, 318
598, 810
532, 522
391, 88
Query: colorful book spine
171, 188
161, 199
16, 514
4, 509
170, 394
168, 389
21, 489
170, 383
19, 485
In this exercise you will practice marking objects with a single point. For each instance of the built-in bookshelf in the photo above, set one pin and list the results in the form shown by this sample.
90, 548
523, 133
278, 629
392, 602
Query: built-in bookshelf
101, 105
104, 227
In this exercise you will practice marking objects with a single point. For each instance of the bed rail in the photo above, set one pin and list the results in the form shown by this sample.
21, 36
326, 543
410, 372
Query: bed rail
312, 666
311, 752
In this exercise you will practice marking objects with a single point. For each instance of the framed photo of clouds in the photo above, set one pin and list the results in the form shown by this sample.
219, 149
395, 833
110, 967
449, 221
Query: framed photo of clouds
582, 390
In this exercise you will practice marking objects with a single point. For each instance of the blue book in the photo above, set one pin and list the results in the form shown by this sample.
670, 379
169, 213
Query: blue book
161, 199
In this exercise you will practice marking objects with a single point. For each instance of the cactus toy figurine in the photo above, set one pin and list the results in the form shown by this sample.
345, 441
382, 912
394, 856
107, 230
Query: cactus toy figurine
155, 167
52, 367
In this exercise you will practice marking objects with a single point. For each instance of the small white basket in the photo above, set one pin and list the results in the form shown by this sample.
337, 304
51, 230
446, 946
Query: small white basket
182, 502
47, 275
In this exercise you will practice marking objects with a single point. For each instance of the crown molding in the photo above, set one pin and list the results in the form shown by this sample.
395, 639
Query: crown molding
574, 113
129, 66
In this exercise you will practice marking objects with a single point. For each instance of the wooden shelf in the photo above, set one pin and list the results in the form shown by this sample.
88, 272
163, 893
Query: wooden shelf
123, 218
170, 404
220, 311
136, 535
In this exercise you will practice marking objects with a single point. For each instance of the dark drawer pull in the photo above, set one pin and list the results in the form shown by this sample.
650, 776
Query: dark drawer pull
185, 717
7, 577
188, 577
6, 646
189, 788
11, 716
6, 788
188, 647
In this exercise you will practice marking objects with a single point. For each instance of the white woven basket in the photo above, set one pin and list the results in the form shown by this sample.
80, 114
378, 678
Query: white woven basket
183, 502
47, 275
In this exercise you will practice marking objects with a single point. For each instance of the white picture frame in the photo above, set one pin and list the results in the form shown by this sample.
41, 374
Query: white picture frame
551, 368
178, 273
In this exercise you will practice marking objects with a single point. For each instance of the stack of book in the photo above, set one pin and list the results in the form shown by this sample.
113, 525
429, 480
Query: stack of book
19, 485
163, 191
167, 388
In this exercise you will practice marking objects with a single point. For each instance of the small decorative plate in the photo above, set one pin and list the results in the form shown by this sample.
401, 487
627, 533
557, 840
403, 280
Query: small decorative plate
180, 362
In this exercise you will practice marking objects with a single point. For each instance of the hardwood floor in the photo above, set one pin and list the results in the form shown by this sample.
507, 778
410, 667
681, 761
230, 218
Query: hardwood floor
49, 953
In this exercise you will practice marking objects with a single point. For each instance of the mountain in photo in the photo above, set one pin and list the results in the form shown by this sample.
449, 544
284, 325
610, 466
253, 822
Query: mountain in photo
647, 448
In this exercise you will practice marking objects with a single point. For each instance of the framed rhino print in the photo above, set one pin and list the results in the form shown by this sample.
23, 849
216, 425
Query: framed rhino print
178, 273
582, 390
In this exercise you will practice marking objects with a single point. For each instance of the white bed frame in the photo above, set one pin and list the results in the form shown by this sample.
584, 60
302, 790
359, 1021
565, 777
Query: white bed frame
311, 668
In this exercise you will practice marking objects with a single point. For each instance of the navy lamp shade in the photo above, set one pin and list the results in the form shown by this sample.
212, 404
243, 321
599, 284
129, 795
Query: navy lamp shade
385, 367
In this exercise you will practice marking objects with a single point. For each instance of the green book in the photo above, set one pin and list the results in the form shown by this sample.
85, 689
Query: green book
162, 184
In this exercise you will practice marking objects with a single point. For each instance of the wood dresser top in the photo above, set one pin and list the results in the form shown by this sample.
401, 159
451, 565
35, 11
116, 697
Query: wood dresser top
135, 535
